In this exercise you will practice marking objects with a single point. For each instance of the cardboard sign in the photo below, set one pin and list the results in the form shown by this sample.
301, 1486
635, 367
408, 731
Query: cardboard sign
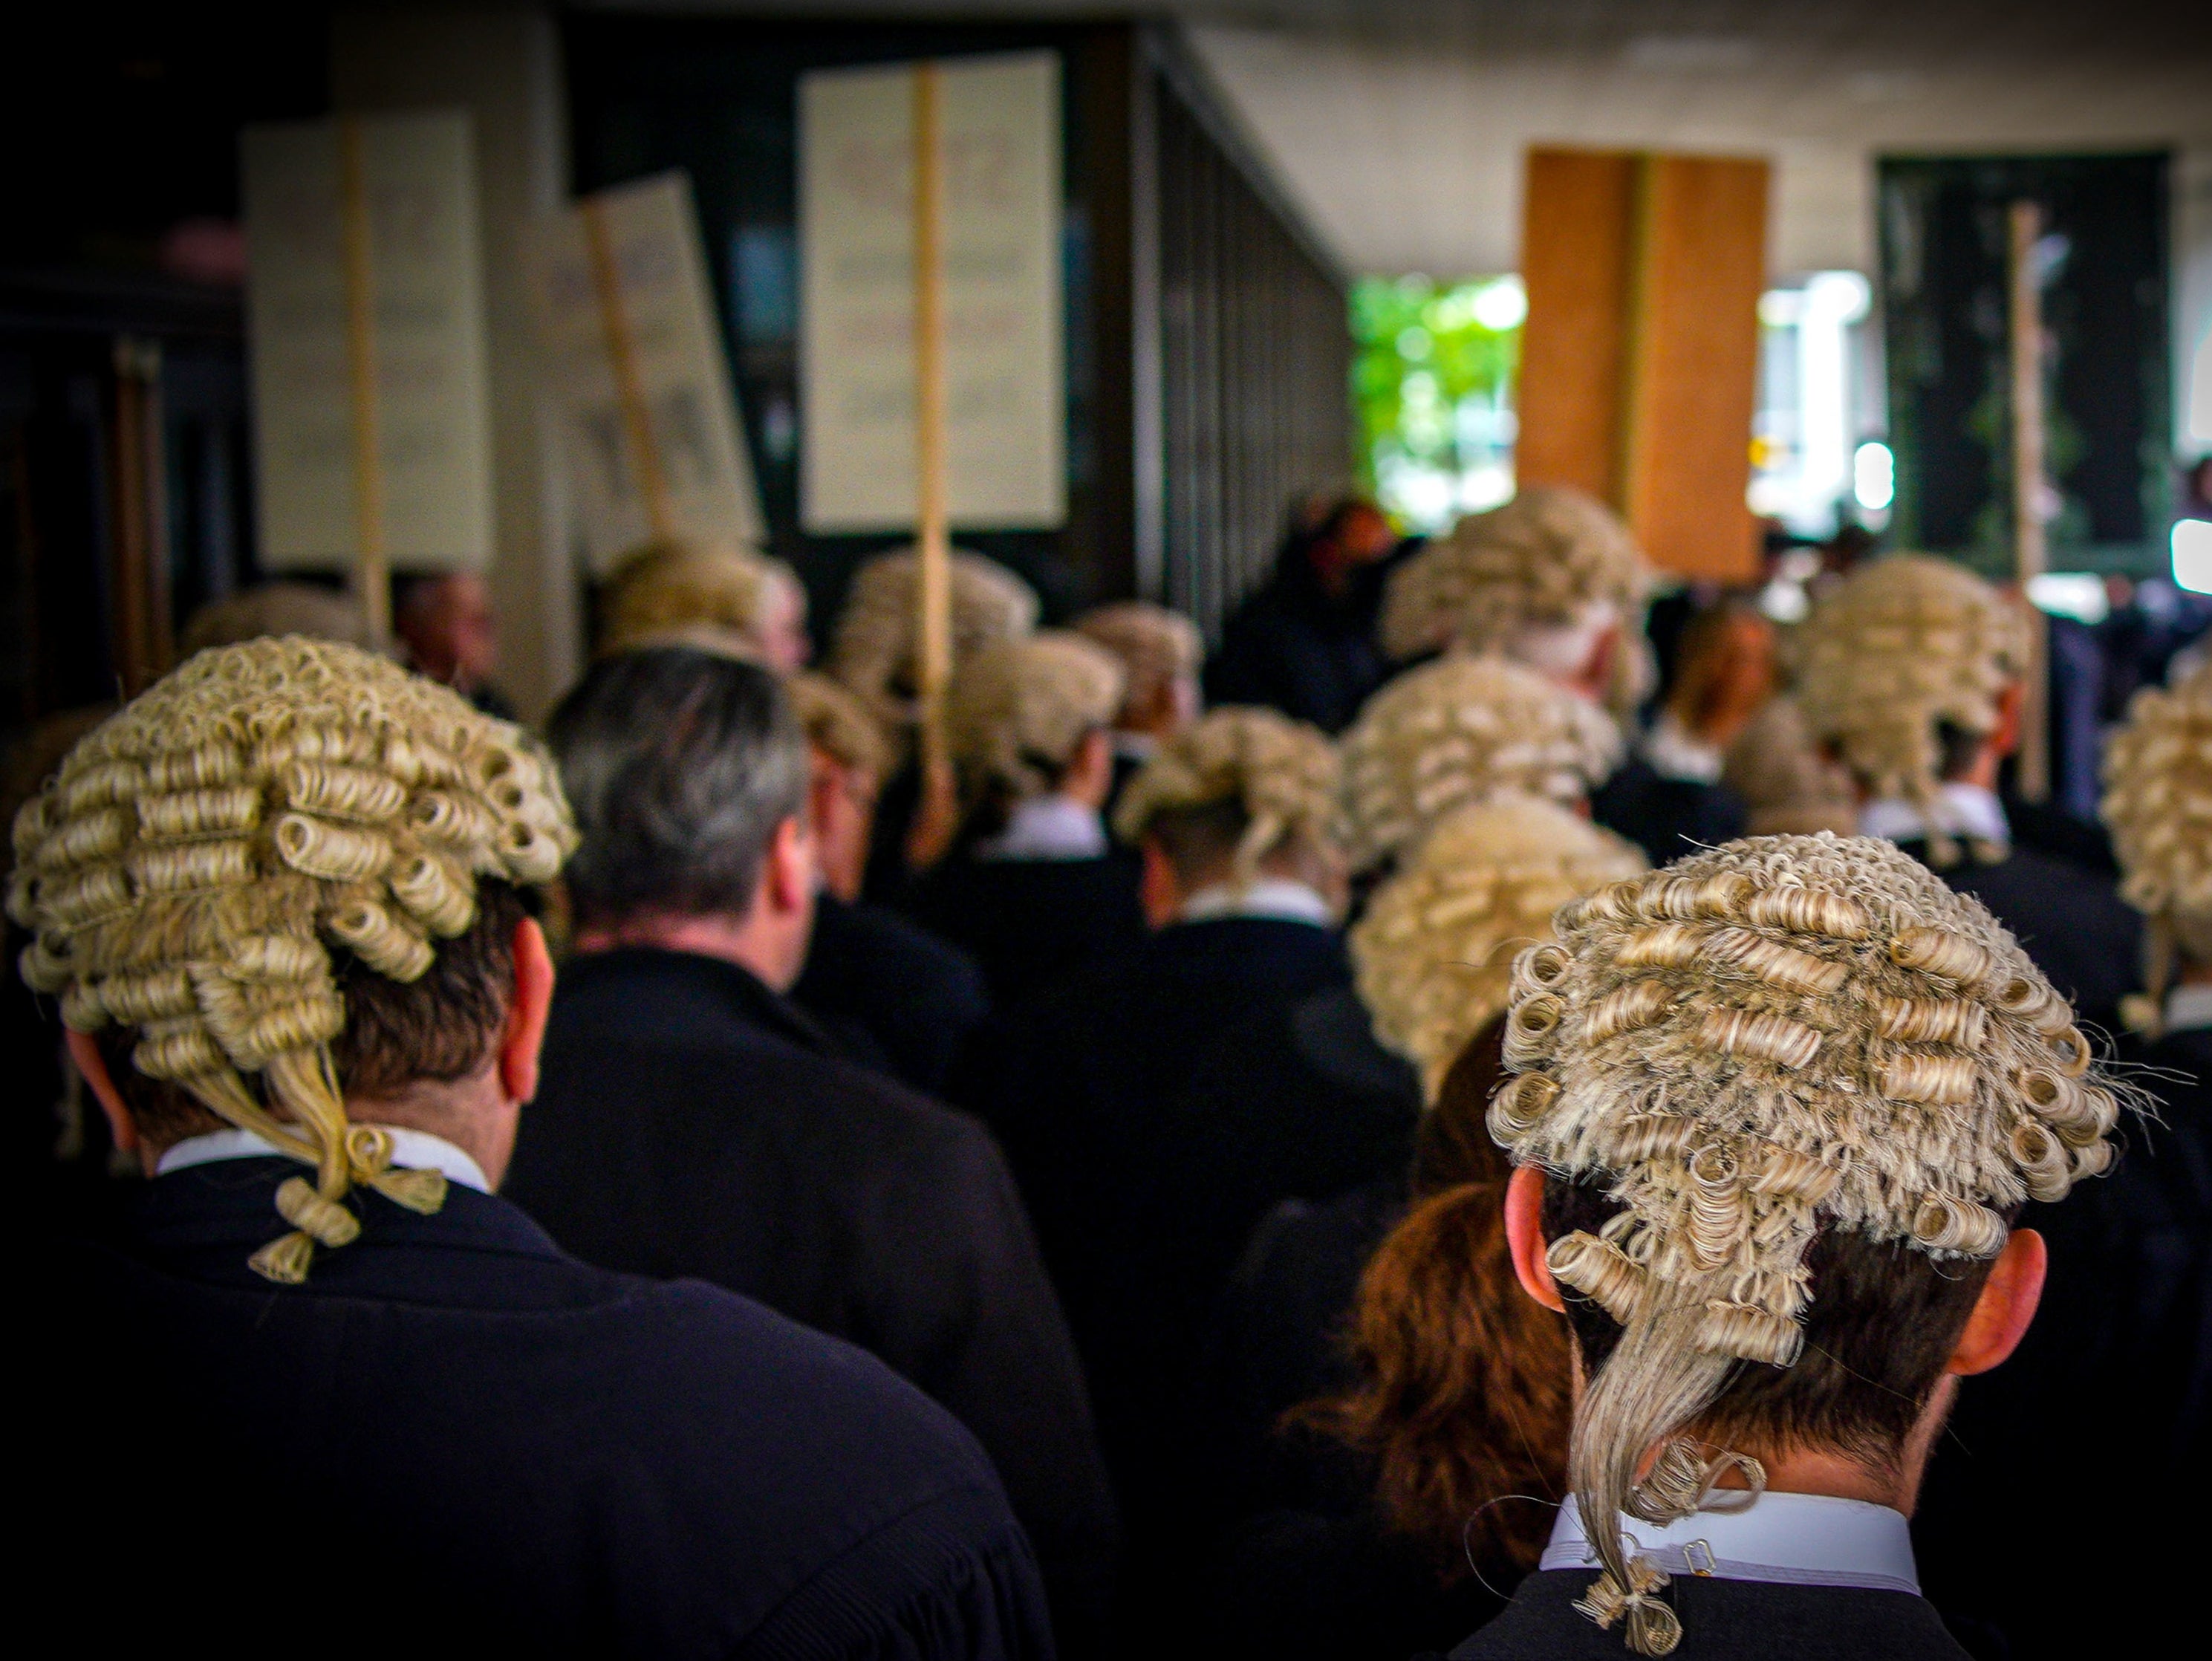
1007, 413
424, 321
635, 368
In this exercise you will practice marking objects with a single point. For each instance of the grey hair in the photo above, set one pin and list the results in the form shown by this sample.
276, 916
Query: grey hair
680, 764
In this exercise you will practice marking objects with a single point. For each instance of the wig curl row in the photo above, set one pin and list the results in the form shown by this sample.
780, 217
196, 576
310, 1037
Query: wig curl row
875, 652
1157, 646
1281, 773
2158, 802
1017, 710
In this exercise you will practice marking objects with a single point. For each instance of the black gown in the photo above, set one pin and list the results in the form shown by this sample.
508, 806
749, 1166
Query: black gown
901, 1000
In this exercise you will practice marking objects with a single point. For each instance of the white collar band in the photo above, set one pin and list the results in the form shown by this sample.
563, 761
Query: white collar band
411, 1150
2188, 1007
1784, 1539
1053, 827
1274, 896
1672, 753
1960, 810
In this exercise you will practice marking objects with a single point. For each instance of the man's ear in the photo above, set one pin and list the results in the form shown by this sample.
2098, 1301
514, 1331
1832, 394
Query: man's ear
527, 1009
93, 1065
1524, 1237
2010, 703
2007, 1306
789, 868
1159, 890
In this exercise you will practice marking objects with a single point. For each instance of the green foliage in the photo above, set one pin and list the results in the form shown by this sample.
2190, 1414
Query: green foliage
1421, 351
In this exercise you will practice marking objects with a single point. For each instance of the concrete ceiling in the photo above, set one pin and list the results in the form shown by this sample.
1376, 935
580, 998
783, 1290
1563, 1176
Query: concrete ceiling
1398, 125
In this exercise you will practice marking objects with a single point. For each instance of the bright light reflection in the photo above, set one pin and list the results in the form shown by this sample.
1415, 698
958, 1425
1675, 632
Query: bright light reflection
1502, 305
2077, 595
2192, 555
1874, 477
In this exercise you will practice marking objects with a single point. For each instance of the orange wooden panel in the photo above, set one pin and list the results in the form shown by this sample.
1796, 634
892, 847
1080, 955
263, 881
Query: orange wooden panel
1694, 363
1575, 260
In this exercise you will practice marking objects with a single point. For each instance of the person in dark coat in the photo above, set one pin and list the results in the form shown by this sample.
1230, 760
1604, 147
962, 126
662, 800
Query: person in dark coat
696, 1122
1305, 643
411, 1424
1913, 674
1127, 1101
1033, 888
899, 999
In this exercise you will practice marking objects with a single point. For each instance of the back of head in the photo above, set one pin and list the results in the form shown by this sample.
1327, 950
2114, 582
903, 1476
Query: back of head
1158, 648
878, 634
1458, 731
1786, 1091
274, 608
253, 865
674, 584
1546, 560
1238, 789
2158, 800
1437, 944
1905, 650
838, 725
1016, 712
681, 763
1788, 787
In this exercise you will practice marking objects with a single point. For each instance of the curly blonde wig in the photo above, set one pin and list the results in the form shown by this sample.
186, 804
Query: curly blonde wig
836, 724
2158, 802
674, 587
1281, 773
1542, 561
186, 871
1435, 948
1904, 643
873, 652
1017, 710
1458, 730
1788, 787
1157, 646
1778, 1036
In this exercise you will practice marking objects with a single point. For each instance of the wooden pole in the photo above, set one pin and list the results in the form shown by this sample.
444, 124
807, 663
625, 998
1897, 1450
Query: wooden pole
2030, 551
622, 358
932, 524
371, 572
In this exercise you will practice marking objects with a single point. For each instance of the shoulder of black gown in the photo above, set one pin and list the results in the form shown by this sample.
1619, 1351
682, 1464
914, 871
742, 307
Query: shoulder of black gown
1667, 818
913, 997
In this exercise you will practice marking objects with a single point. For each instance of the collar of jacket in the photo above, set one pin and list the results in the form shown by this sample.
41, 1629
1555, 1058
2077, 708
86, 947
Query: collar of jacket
730, 989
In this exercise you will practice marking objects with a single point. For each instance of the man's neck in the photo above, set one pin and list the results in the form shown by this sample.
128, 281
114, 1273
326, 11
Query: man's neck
732, 940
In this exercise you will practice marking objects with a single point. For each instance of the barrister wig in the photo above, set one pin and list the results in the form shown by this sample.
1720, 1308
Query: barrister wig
2158, 802
1157, 646
1458, 730
189, 869
1788, 787
837, 725
1783, 1035
675, 586
1281, 774
1908, 644
877, 642
1551, 560
1435, 949
1016, 711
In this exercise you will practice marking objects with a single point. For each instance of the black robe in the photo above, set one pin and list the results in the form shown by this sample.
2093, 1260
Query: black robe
1724, 1620
1294, 647
453, 1439
1032, 922
2071, 922
1668, 818
691, 1122
899, 999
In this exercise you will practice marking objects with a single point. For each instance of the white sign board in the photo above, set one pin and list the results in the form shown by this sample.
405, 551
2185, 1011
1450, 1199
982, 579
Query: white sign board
1007, 408
426, 314
636, 309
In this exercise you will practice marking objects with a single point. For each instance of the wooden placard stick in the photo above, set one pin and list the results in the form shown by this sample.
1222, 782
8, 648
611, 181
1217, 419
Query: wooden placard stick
932, 525
2030, 549
372, 570
621, 358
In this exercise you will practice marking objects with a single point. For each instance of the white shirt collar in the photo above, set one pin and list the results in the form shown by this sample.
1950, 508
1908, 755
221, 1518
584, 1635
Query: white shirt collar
1961, 810
1272, 897
411, 1150
1788, 1539
1135, 747
1054, 827
1672, 753
2188, 1007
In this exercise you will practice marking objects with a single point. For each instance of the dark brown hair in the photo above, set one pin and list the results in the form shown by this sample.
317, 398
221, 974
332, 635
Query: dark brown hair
1882, 1322
1463, 1397
441, 1027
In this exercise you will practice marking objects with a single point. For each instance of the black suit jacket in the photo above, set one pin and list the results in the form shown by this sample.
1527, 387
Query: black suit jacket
692, 1123
454, 1438
1724, 1620
2071, 922
899, 999
1128, 1100
1032, 922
